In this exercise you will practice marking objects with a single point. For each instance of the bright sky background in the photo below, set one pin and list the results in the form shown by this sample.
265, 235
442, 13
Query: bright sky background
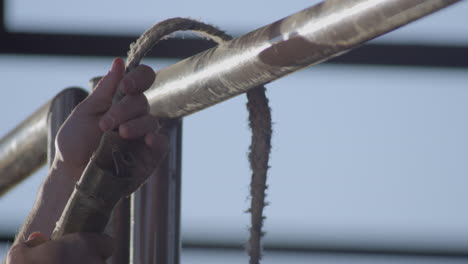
362, 155
236, 17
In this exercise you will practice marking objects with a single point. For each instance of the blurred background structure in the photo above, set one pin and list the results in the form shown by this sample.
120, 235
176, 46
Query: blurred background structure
375, 172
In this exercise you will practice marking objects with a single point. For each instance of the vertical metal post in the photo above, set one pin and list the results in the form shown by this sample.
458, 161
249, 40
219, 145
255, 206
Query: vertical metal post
155, 229
60, 108
119, 229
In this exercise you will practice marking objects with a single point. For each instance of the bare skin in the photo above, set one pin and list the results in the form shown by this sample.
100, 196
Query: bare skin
77, 139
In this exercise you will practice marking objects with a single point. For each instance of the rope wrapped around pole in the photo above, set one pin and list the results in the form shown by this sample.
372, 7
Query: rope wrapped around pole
105, 180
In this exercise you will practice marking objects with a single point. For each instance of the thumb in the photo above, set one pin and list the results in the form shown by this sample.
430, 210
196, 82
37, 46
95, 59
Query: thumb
107, 86
35, 239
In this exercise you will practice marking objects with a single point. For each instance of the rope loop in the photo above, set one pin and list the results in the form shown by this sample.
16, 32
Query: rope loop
259, 119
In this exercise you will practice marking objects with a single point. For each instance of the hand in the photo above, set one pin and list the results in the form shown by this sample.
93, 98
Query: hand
71, 249
81, 133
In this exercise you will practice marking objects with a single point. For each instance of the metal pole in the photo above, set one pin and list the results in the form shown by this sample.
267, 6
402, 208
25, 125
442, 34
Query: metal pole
155, 231
308, 37
24, 149
119, 229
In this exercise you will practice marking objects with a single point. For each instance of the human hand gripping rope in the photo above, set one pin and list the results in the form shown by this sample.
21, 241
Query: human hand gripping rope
116, 164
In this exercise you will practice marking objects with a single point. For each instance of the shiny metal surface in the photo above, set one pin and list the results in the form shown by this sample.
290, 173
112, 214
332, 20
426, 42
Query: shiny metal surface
119, 226
24, 149
155, 228
271, 52
306, 38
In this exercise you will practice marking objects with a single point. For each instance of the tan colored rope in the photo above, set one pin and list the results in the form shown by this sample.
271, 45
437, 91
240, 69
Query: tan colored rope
259, 119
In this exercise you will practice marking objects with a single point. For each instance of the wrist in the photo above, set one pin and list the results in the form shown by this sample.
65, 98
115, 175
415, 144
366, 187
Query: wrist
51, 200
60, 183
68, 172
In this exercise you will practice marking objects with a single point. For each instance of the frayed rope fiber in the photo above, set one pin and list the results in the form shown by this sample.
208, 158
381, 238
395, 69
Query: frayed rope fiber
259, 119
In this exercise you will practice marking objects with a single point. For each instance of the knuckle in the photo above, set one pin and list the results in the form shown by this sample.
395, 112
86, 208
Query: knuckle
113, 117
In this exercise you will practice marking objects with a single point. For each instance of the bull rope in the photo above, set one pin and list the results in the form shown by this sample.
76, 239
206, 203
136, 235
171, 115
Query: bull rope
259, 119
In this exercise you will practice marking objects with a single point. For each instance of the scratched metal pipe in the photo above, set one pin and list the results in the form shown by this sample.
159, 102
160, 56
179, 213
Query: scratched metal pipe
24, 149
306, 38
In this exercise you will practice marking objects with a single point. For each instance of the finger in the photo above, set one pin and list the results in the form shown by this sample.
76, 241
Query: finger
130, 107
138, 80
139, 127
106, 87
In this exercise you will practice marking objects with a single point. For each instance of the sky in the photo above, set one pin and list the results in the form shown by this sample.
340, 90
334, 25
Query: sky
362, 155
133, 17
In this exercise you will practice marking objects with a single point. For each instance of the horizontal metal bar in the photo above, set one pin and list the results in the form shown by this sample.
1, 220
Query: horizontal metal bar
308, 37
23, 150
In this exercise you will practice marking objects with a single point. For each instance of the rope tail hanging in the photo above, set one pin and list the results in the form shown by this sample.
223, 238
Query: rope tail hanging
259, 119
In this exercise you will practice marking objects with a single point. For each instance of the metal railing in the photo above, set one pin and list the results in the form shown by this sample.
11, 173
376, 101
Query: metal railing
308, 37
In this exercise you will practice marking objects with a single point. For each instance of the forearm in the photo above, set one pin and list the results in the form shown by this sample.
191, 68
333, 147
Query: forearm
50, 202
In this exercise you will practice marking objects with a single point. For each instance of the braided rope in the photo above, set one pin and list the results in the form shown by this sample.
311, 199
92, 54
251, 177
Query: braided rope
259, 119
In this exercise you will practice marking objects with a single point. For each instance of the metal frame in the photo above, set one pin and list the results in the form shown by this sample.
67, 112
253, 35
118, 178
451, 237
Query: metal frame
374, 54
